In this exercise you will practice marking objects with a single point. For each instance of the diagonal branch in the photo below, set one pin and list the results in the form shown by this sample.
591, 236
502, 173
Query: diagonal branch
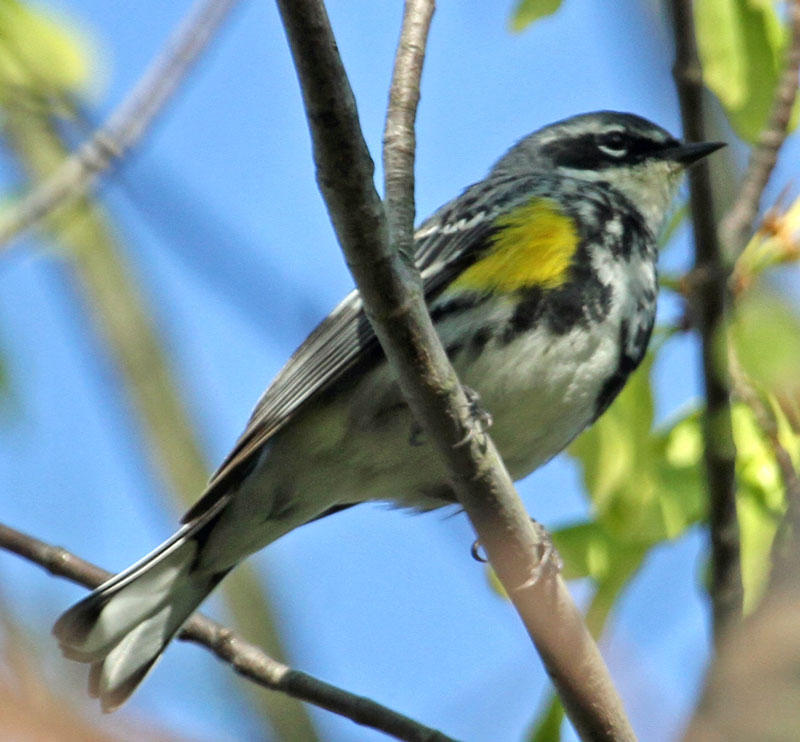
736, 227
392, 294
708, 298
246, 659
126, 125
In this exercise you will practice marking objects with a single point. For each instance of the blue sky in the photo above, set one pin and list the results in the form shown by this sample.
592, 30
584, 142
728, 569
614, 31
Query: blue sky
228, 237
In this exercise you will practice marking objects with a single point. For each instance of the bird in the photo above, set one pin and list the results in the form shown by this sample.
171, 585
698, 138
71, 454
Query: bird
541, 281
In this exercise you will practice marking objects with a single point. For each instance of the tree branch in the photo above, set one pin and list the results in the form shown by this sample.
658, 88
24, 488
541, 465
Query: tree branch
126, 125
708, 299
736, 227
391, 290
246, 659
399, 137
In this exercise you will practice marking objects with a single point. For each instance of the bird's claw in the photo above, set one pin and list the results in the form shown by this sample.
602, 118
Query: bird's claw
480, 418
475, 551
550, 562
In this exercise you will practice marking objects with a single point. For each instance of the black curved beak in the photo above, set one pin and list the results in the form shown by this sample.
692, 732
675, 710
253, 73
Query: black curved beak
689, 153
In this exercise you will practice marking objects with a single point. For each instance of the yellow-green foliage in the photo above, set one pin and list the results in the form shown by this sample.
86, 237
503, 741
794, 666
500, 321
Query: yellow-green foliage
741, 45
39, 54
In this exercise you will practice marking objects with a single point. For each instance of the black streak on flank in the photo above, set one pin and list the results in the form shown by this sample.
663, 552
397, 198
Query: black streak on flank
478, 342
583, 300
454, 349
629, 360
613, 385
458, 303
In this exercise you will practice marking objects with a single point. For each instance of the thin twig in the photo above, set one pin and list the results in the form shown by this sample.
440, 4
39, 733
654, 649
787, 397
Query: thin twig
392, 295
736, 227
246, 659
399, 137
708, 299
127, 123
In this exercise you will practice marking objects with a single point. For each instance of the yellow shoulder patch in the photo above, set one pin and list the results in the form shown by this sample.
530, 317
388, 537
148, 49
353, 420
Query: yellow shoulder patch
533, 246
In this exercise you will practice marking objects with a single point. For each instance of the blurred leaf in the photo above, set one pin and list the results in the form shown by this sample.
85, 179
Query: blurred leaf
547, 727
39, 54
627, 560
678, 456
791, 220
760, 502
644, 484
741, 46
585, 549
788, 436
609, 451
589, 550
756, 467
765, 333
529, 11
776, 242
757, 528
684, 446
672, 282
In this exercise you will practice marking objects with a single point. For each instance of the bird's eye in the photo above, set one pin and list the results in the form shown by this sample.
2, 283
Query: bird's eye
613, 144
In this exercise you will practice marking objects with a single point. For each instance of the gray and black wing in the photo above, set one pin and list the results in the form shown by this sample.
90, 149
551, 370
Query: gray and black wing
444, 245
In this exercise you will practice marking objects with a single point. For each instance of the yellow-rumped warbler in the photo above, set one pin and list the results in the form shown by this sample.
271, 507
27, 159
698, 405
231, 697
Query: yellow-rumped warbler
541, 280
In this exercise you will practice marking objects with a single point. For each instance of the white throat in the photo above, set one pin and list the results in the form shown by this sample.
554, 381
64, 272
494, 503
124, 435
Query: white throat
650, 187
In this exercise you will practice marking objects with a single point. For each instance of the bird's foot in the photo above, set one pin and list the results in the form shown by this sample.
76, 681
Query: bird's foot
550, 562
480, 418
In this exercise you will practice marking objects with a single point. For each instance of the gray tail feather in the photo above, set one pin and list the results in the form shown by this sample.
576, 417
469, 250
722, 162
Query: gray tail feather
125, 624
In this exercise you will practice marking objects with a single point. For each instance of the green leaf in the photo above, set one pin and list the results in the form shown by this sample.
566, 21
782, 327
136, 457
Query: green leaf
589, 549
757, 528
755, 466
788, 437
760, 502
765, 331
585, 548
39, 53
547, 728
645, 485
628, 563
529, 11
610, 451
741, 45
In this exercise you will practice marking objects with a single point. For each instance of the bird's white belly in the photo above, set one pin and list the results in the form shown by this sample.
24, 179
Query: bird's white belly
542, 390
